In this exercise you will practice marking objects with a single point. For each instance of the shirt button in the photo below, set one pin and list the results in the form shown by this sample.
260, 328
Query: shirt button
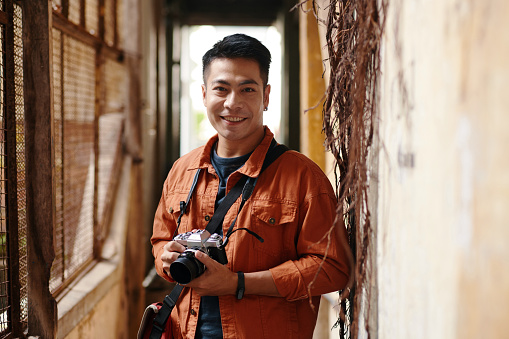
272, 221
207, 218
193, 312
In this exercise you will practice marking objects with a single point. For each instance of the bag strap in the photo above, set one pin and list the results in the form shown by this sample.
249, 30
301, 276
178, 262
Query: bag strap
163, 315
244, 186
274, 152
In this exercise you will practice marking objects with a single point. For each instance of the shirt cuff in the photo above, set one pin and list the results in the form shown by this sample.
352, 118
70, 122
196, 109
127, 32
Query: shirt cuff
289, 281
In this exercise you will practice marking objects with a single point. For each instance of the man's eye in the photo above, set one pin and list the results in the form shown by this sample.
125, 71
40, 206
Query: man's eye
249, 89
219, 89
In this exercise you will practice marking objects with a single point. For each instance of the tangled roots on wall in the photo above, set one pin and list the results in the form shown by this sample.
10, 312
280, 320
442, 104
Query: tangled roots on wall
353, 33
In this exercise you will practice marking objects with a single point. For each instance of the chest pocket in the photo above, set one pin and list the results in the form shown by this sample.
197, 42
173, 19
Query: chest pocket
275, 222
173, 206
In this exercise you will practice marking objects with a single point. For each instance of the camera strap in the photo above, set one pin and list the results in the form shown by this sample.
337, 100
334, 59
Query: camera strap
244, 186
183, 205
220, 211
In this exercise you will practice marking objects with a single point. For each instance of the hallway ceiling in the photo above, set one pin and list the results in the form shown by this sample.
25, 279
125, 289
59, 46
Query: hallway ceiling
227, 12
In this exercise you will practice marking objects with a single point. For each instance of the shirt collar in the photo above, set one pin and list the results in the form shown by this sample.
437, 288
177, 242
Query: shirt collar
252, 166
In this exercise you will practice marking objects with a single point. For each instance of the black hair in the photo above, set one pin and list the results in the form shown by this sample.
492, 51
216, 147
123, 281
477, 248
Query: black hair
239, 46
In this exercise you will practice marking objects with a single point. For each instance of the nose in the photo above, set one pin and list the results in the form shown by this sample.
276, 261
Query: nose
233, 101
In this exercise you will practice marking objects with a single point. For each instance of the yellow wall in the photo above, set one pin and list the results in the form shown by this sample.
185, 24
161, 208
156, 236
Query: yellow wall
101, 322
312, 89
313, 84
442, 257
440, 178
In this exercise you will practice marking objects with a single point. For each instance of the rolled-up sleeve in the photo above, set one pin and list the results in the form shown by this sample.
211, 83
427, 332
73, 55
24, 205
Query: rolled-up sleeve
322, 264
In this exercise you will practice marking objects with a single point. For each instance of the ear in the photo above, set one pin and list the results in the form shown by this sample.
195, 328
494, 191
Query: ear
266, 93
204, 94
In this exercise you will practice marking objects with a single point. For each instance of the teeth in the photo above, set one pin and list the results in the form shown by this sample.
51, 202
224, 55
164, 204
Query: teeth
233, 119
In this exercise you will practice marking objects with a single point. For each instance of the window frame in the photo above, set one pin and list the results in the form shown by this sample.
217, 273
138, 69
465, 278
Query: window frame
40, 17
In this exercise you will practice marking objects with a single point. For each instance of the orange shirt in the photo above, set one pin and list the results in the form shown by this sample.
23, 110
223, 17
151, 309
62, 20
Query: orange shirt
292, 207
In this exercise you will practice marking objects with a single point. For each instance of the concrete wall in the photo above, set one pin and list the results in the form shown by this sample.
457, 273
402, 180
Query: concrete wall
102, 321
443, 193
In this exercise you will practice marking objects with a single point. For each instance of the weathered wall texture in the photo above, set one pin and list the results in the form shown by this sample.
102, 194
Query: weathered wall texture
102, 321
443, 201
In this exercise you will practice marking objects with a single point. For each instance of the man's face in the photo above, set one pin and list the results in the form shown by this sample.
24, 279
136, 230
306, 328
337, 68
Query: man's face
235, 99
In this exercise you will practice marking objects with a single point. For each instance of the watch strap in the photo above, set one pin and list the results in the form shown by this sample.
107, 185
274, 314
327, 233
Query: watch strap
241, 287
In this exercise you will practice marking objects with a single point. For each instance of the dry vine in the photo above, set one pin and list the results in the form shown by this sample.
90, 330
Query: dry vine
354, 30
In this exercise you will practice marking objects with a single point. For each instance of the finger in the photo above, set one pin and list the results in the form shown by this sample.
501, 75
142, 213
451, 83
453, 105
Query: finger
174, 246
169, 257
204, 258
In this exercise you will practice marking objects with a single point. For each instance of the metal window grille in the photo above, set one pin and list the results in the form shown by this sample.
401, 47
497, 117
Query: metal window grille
4, 256
20, 162
74, 114
89, 93
78, 153
89, 96
13, 230
110, 133
87, 134
74, 11
57, 276
109, 22
92, 17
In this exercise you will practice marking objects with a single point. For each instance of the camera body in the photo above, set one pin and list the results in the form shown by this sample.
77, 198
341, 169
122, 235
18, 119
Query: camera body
187, 267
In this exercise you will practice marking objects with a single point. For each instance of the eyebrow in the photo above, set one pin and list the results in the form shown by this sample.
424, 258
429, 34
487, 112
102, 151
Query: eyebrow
242, 83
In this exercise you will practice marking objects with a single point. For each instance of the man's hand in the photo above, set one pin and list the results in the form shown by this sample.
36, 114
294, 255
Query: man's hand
216, 280
171, 252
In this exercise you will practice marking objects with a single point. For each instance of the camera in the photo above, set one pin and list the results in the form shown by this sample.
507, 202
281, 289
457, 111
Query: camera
187, 267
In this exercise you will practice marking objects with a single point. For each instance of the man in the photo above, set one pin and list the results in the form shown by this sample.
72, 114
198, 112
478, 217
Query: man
292, 208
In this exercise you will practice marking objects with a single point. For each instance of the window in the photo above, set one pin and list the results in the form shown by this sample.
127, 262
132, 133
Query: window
13, 231
89, 91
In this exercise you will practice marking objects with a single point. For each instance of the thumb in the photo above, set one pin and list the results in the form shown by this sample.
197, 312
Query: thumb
203, 257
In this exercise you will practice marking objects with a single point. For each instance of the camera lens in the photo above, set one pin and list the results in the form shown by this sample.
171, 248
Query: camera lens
186, 268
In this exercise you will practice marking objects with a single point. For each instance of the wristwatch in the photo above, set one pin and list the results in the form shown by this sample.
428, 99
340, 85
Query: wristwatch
240, 285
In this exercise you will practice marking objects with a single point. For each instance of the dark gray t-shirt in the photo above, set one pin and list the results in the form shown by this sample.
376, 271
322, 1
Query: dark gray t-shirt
209, 317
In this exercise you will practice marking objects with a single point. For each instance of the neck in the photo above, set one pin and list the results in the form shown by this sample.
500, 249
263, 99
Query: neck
234, 148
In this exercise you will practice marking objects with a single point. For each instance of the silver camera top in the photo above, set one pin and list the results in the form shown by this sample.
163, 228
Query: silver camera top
199, 238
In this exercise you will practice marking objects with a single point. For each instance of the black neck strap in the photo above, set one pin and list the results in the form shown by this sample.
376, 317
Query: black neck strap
183, 205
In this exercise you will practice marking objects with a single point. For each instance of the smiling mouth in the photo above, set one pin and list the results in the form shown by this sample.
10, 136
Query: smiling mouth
233, 119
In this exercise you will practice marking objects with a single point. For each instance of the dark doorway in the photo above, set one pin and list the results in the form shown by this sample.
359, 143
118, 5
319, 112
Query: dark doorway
185, 15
